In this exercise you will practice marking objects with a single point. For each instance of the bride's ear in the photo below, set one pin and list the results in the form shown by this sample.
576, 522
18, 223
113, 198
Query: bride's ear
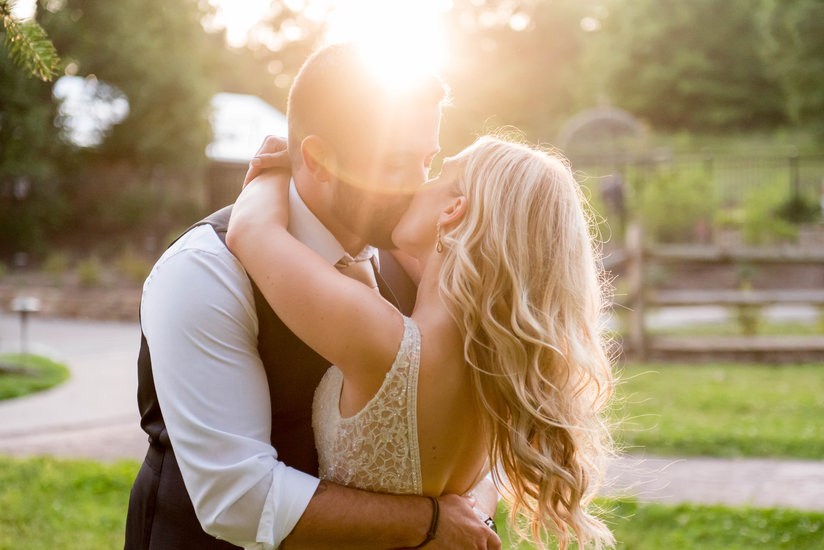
317, 157
454, 212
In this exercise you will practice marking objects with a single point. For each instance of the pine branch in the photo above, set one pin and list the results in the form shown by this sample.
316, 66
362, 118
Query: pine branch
28, 45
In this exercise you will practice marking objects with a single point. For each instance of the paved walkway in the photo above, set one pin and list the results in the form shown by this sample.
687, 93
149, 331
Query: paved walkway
94, 415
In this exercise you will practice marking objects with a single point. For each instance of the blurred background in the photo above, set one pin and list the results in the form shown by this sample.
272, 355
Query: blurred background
696, 129
717, 105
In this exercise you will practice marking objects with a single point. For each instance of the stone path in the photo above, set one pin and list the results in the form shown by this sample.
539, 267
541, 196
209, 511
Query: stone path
94, 415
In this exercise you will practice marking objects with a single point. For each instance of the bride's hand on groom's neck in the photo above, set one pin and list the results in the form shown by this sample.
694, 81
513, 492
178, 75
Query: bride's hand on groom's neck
272, 154
262, 207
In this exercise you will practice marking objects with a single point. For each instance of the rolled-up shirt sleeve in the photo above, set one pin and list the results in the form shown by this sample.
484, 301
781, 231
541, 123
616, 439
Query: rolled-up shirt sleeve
199, 319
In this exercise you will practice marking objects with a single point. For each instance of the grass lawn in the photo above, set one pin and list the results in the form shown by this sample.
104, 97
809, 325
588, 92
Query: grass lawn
722, 410
67, 505
41, 373
55, 504
688, 527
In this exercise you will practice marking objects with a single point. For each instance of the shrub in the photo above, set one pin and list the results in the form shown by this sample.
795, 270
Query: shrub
133, 266
90, 272
56, 265
763, 223
798, 210
674, 204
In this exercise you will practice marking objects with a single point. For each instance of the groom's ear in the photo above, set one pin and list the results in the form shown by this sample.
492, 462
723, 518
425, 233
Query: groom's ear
454, 212
316, 157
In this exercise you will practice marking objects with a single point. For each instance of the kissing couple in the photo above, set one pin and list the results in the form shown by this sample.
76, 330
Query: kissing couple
349, 357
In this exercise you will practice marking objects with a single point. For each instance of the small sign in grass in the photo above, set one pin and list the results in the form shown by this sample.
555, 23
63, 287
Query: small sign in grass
22, 375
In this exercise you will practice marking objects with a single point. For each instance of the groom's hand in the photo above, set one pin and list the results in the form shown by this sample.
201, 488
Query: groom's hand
272, 154
459, 527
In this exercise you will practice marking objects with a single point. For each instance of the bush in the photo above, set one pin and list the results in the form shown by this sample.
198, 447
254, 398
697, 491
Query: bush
133, 266
90, 272
763, 223
798, 210
56, 265
673, 205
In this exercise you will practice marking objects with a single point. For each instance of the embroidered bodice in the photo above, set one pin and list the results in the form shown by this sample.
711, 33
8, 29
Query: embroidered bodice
377, 448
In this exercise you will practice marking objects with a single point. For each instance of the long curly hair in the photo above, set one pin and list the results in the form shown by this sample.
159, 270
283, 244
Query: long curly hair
520, 278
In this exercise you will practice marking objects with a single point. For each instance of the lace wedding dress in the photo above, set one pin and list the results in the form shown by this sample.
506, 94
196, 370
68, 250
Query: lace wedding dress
377, 448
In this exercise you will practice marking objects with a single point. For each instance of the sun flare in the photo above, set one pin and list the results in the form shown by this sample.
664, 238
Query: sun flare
238, 17
400, 37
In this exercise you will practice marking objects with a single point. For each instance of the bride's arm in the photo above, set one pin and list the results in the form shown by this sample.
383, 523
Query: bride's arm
340, 318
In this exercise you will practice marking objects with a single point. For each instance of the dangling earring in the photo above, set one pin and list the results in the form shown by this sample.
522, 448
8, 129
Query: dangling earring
438, 243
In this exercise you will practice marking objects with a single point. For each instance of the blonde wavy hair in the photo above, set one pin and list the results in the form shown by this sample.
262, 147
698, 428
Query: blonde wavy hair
520, 278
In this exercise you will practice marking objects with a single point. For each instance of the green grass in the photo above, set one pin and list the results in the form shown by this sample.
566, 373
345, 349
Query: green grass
722, 410
689, 527
42, 374
53, 504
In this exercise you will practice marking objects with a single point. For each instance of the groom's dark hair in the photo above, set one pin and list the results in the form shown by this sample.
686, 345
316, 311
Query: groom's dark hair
338, 93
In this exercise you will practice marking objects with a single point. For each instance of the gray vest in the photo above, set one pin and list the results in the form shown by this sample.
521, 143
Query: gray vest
161, 515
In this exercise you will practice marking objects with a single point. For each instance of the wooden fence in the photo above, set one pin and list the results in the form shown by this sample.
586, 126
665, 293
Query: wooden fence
641, 345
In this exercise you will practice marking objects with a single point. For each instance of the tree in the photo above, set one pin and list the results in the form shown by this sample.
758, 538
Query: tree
32, 207
794, 49
690, 65
146, 173
515, 63
157, 53
27, 44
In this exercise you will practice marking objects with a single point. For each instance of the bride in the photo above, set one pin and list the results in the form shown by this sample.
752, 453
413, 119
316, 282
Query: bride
501, 365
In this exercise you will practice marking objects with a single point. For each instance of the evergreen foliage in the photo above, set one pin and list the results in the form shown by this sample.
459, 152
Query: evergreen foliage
28, 45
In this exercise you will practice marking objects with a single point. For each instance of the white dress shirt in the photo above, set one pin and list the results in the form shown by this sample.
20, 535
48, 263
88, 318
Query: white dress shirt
198, 316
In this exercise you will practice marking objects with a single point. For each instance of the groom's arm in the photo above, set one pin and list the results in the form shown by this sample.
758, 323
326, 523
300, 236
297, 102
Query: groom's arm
342, 518
199, 318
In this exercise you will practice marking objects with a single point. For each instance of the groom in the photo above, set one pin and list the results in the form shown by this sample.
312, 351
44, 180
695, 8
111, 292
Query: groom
225, 389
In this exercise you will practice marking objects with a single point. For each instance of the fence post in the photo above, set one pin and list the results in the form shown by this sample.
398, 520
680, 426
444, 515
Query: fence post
708, 162
795, 178
635, 278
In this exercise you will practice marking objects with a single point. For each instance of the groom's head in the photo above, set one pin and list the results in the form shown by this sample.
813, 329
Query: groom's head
366, 141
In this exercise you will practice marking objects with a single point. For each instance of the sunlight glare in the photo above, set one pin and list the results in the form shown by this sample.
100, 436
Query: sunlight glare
401, 38
24, 9
238, 17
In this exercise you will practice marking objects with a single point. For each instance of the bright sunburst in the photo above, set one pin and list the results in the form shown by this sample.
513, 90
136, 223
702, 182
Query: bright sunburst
394, 33
238, 17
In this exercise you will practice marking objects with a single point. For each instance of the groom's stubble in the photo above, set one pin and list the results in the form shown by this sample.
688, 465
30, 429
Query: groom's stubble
368, 213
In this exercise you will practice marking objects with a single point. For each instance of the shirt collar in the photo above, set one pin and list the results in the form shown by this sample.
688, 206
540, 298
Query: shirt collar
308, 229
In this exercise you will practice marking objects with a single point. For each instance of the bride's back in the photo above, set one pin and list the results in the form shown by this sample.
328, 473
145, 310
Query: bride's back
354, 415
453, 445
